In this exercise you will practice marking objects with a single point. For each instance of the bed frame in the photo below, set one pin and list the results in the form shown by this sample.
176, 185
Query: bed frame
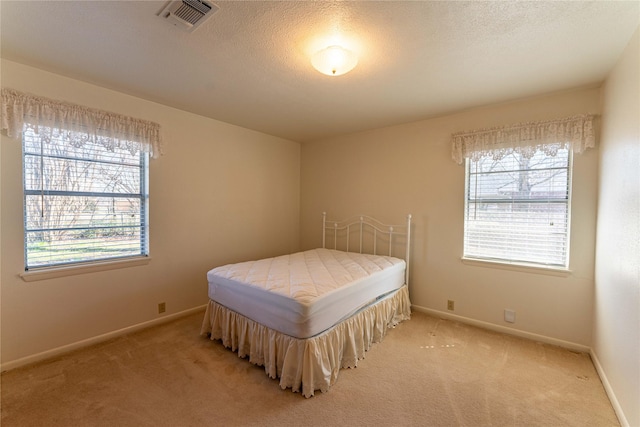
341, 232
311, 364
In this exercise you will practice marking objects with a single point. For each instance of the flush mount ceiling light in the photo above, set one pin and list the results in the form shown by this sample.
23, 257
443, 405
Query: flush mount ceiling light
334, 60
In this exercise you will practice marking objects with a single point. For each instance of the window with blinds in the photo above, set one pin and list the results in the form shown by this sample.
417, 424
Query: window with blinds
82, 203
517, 209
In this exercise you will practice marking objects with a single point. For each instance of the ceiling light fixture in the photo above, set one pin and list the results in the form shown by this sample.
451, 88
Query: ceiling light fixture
334, 60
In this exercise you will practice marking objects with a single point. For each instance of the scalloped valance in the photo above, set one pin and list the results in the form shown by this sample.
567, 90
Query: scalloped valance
575, 133
77, 124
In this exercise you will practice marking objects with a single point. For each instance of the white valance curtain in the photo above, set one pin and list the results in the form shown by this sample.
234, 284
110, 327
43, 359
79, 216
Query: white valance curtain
575, 133
77, 124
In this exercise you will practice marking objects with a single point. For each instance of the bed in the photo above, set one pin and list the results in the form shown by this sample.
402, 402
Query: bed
305, 316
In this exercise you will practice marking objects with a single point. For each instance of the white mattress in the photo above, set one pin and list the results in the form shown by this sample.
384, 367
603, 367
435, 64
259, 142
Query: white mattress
305, 293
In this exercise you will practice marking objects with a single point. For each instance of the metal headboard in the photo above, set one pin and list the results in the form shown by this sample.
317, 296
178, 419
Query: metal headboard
361, 224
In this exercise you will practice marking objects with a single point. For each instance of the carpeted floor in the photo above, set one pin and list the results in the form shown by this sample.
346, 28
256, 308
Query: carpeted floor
427, 372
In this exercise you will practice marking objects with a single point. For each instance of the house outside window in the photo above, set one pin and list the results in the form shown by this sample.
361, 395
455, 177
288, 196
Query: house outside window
82, 202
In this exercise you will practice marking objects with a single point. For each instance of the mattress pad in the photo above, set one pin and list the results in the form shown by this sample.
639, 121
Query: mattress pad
305, 293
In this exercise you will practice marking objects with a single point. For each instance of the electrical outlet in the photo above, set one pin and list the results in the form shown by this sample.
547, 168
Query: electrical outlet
162, 307
509, 316
450, 305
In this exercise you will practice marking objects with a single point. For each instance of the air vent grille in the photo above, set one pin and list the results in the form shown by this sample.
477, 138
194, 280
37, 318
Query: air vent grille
187, 14
192, 11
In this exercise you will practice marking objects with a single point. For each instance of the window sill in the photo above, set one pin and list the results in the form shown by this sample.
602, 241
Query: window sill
72, 270
525, 268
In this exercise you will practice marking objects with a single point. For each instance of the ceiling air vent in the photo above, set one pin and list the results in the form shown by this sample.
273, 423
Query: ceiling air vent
187, 14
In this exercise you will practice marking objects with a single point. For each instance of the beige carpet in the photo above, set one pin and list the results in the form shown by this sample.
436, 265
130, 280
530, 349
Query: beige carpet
427, 372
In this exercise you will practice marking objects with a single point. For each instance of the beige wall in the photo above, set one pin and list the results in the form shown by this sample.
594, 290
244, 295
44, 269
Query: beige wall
221, 193
404, 169
616, 326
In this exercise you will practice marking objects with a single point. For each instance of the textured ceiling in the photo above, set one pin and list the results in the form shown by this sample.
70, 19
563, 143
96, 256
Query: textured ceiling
249, 64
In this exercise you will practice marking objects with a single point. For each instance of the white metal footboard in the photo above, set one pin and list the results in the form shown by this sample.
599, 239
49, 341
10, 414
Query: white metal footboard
360, 226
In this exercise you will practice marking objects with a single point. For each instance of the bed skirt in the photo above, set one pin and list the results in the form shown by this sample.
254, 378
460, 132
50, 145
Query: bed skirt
310, 364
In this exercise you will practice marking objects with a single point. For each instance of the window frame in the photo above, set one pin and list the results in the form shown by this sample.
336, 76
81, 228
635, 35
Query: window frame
519, 265
65, 268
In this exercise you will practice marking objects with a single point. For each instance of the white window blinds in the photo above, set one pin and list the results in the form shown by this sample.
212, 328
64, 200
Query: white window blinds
517, 209
83, 203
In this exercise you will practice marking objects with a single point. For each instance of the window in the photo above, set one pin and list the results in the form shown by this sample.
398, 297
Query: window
82, 202
517, 209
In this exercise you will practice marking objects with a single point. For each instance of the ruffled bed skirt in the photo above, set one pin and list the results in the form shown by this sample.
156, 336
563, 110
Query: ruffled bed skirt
313, 363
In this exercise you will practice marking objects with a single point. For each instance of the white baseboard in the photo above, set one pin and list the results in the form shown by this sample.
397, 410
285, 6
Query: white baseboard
498, 328
609, 390
95, 340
